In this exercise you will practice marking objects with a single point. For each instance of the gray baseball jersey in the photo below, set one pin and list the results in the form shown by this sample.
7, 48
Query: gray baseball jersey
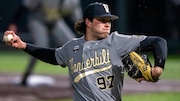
95, 67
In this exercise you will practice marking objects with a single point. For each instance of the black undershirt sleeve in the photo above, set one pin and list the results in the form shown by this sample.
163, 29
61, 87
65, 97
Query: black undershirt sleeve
44, 54
158, 46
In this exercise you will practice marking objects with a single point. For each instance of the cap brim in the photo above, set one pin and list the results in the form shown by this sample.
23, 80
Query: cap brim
112, 17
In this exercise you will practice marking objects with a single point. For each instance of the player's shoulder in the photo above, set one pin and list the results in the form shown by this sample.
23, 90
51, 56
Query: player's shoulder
71, 43
115, 34
79, 39
75, 41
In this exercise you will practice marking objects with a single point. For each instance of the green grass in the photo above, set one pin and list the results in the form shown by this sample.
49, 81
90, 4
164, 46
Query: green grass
16, 61
164, 96
161, 96
171, 69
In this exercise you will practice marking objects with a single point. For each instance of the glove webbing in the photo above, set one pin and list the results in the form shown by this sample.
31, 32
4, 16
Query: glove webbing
142, 66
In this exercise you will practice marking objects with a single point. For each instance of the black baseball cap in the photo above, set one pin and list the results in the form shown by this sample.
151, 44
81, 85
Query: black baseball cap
98, 10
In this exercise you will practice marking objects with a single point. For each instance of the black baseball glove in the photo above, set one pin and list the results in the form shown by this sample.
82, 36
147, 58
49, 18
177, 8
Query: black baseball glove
138, 67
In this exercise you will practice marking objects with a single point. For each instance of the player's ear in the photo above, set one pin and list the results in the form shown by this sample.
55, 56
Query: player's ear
87, 22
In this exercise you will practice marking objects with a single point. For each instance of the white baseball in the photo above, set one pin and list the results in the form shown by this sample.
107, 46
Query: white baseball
7, 38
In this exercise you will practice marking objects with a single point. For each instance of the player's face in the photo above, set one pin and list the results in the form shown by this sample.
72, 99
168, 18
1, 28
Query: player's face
100, 27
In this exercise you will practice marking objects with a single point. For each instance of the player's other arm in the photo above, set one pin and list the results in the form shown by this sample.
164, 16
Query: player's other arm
44, 54
158, 46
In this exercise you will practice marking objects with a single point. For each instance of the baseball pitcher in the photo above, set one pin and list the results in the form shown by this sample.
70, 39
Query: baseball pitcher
97, 61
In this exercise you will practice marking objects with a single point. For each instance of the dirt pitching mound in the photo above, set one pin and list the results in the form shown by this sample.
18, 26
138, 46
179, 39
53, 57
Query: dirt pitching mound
60, 88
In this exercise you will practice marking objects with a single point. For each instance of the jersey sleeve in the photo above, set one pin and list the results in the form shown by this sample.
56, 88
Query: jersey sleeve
60, 56
127, 43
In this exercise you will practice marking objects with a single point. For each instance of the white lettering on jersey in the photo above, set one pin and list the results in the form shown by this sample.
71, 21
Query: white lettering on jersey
95, 61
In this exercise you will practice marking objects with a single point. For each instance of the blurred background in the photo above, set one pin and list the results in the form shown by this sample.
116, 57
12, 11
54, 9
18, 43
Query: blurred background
149, 17
141, 17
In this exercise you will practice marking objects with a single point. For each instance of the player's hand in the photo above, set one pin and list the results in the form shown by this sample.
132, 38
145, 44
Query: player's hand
157, 71
16, 41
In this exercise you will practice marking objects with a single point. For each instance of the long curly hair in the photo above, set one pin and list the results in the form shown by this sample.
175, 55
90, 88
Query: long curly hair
80, 26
